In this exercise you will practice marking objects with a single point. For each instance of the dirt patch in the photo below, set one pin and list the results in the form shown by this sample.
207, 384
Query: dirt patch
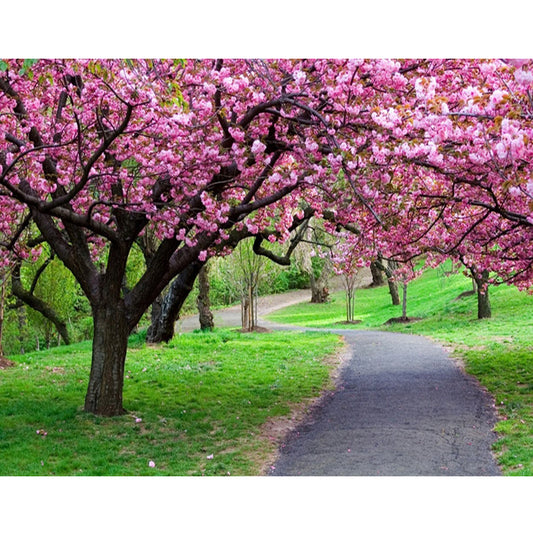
348, 322
255, 329
5, 363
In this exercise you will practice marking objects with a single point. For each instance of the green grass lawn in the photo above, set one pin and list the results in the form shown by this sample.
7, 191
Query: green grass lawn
195, 406
498, 351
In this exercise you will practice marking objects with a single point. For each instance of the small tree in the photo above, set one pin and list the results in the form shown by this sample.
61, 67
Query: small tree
250, 269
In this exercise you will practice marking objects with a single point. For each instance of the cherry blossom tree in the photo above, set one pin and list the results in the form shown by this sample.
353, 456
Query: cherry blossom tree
454, 168
94, 153
417, 156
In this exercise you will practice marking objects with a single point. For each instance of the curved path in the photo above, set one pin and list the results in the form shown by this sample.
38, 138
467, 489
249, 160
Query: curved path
402, 407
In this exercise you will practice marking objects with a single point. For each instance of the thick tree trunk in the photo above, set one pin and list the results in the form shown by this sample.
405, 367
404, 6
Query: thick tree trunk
110, 343
483, 301
163, 324
204, 305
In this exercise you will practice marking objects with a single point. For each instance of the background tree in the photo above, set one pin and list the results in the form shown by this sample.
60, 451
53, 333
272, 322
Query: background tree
202, 301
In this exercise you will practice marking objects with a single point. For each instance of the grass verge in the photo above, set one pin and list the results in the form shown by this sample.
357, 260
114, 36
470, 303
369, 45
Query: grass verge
498, 351
197, 406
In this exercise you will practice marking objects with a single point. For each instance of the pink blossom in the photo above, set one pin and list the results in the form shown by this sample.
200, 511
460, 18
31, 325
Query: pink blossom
151, 464
258, 147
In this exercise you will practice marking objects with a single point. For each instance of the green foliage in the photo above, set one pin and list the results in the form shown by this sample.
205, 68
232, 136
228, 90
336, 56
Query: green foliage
25, 328
202, 395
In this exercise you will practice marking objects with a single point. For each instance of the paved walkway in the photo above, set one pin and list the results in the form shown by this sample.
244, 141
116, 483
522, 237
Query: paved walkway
402, 407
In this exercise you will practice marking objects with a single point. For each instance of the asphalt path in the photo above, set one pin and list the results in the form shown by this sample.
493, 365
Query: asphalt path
402, 407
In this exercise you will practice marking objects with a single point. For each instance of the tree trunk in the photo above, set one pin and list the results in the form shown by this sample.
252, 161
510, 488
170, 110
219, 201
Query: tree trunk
393, 286
483, 301
377, 273
319, 285
163, 324
155, 318
204, 305
319, 291
389, 272
404, 302
110, 343
245, 312
393, 289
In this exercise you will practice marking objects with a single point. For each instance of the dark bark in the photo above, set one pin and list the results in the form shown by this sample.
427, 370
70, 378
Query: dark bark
389, 272
162, 327
483, 301
377, 273
204, 305
110, 343
155, 317
393, 286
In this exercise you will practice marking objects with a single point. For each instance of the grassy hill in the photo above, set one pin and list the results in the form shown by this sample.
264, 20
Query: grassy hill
197, 406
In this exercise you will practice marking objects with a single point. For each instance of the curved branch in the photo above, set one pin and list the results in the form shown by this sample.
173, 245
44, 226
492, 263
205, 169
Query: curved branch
37, 304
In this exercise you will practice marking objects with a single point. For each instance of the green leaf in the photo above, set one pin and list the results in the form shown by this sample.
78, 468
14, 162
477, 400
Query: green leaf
3, 66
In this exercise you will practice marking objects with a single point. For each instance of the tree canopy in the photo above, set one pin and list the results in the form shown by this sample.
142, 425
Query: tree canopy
408, 157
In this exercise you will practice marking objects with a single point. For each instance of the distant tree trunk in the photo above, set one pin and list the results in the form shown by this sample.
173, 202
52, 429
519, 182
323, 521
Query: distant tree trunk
319, 285
389, 272
155, 318
249, 307
164, 320
377, 272
393, 286
404, 302
483, 301
349, 286
204, 306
